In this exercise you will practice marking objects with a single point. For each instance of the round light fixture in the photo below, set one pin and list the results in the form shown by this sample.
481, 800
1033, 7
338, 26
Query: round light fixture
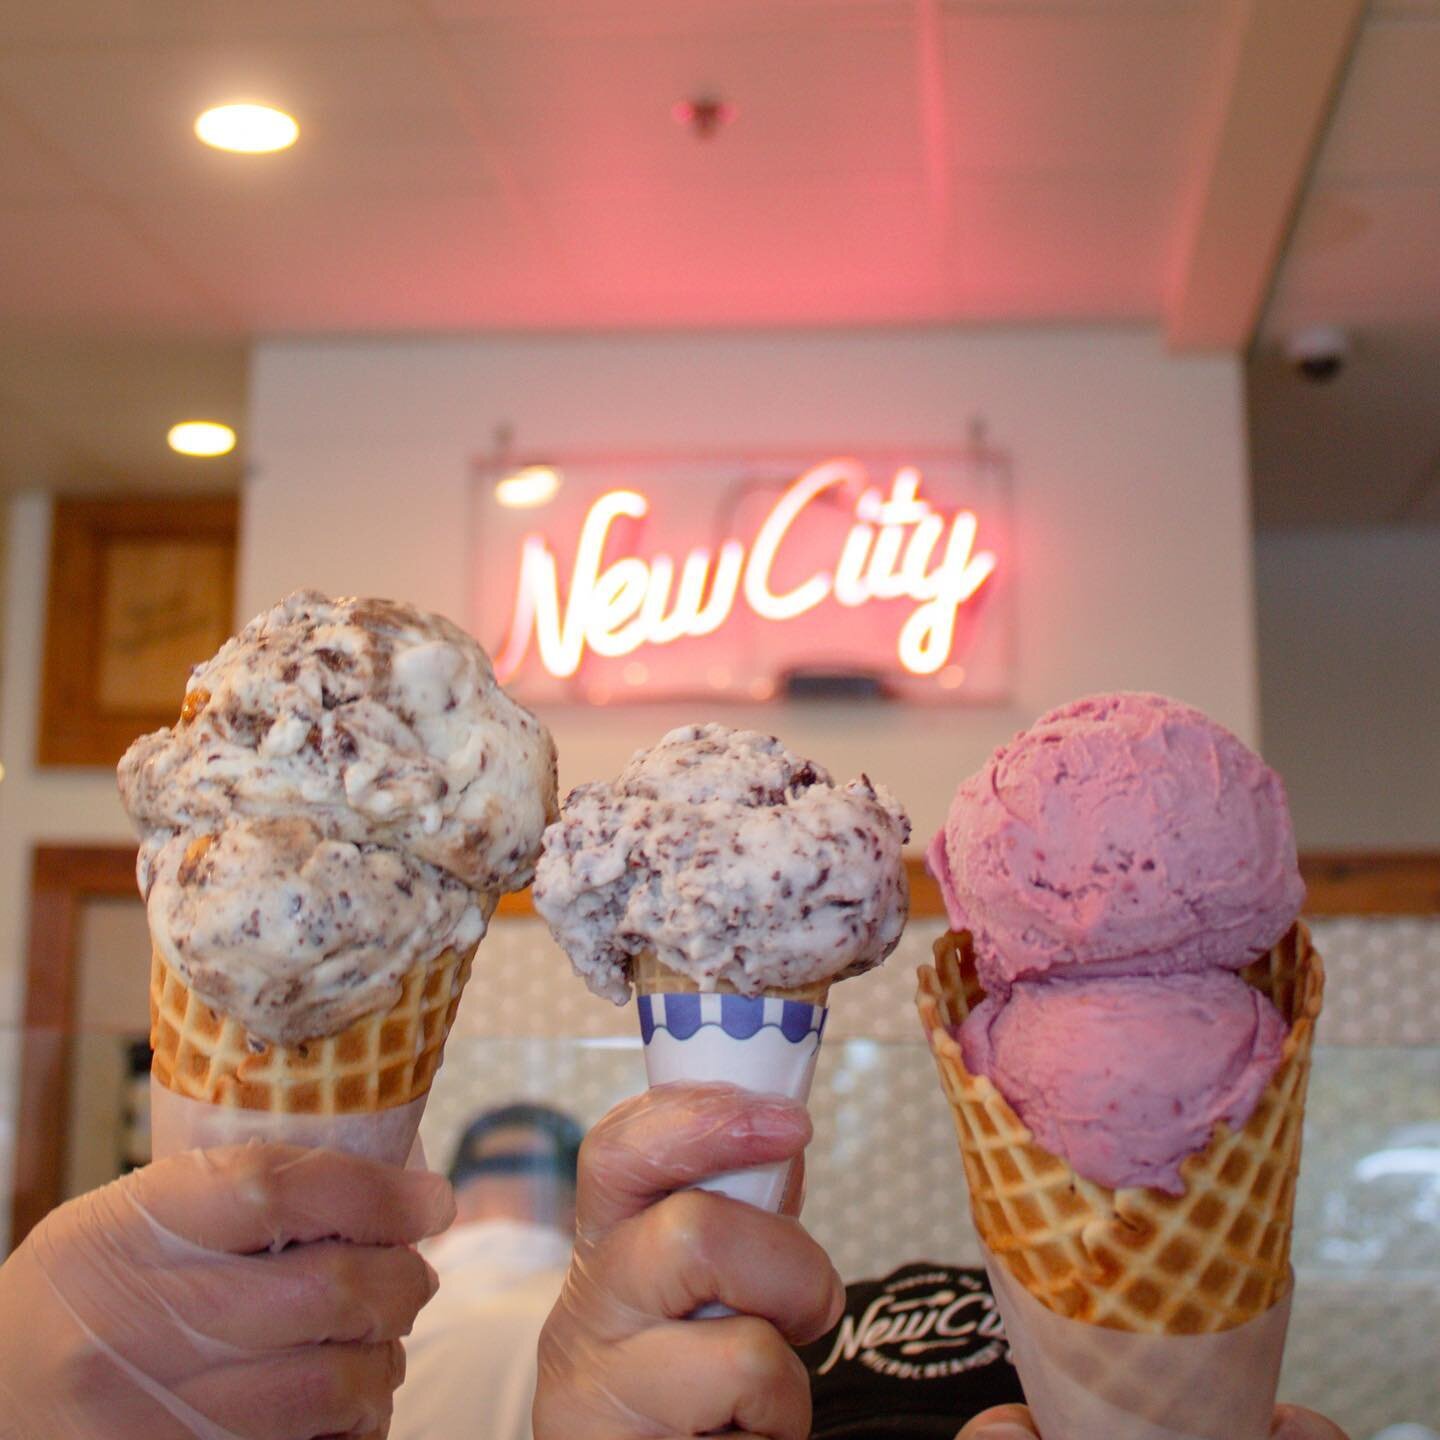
206, 438
528, 487
247, 129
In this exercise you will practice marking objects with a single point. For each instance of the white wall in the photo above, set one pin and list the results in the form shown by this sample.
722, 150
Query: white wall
1349, 624
1131, 508
1130, 513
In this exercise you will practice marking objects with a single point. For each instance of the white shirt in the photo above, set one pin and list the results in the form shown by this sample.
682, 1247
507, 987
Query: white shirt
470, 1372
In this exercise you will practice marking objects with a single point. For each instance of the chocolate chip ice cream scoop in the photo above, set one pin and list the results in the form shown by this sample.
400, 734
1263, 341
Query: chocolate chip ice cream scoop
347, 790
731, 860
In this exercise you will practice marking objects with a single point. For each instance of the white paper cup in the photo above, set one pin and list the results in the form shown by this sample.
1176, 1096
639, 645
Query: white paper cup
759, 1043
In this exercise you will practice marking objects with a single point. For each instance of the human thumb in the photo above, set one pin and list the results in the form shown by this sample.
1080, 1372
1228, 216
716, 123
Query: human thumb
1294, 1423
1006, 1422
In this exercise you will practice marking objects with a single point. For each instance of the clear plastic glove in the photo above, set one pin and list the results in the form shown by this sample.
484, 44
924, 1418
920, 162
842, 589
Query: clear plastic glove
618, 1359
251, 1293
1012, 1422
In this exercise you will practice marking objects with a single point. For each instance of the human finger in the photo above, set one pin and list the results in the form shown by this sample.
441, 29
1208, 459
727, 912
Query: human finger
308, 1294
1293, 1422
714, 1377
674, 1135
246, 1198
313, 1390
1004, 1422
694, 1248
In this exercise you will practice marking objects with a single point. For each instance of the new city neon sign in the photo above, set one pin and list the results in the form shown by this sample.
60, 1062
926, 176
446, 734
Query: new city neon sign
898, 547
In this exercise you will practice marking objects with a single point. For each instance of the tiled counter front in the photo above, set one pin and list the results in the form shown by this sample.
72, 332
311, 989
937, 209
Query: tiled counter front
886, 1183
885, 1180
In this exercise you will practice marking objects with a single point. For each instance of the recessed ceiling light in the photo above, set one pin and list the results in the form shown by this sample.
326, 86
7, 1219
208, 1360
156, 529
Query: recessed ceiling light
528, 487
247, 129
201, 437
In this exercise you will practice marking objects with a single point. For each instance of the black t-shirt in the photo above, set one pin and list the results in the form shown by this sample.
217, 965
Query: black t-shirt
918, 1353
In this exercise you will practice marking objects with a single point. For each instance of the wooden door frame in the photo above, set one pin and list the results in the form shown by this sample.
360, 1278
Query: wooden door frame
63, 878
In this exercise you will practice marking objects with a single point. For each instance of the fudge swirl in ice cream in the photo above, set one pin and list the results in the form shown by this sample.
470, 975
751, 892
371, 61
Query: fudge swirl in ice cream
730, 859
346, 794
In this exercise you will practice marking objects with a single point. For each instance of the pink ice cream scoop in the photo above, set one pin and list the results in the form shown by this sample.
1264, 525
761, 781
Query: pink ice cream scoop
1122, 834
1125, 1077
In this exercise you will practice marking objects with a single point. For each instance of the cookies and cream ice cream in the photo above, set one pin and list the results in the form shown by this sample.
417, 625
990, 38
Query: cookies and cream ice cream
731, 860
347, 793
1115, 865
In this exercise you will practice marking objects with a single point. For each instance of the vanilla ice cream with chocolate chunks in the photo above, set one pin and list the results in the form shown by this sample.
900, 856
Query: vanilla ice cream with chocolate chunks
731, 860
347, 793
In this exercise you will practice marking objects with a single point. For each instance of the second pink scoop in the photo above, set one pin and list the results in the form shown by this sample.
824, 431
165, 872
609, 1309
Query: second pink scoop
1124, 1077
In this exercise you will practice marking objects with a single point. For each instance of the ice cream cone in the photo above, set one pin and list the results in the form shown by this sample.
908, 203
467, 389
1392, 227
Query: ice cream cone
767, 1042
385, 1059
651, 976
1136, 1260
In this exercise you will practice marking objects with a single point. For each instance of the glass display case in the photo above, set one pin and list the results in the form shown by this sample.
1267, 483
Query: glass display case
885, 1182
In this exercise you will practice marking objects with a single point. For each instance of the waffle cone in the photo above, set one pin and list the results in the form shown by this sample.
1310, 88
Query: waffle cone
381, 1060
1136, 1260
651, 976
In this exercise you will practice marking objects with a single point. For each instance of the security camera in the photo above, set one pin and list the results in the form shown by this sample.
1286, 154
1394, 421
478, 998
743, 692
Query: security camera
1318, 352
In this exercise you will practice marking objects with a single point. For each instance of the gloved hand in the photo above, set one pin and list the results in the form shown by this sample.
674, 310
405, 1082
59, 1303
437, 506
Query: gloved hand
258, 1291
1012, 1422
618, 1358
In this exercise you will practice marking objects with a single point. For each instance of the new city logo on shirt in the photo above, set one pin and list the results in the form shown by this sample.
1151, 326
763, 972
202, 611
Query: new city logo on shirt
922, 1326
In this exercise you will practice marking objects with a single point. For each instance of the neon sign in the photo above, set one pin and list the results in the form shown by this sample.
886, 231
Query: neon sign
898, 547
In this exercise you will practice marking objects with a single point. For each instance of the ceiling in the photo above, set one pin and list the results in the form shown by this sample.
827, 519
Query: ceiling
1364, 255
514, 164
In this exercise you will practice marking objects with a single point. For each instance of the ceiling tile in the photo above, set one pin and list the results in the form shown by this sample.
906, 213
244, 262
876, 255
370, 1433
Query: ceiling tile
802, 249
662, 16
404, 263
99, 22
1387, 123
1361, 255
370, 109
868, 248
1380, 8
27, 172
811, 98
71, 264
1352, 450
1101, 89
1072, 247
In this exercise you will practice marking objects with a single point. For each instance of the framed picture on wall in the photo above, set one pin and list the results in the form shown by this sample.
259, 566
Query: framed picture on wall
140, 590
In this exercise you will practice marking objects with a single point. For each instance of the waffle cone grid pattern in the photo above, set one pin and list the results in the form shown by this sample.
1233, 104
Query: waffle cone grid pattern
651, 976
1136, 1259
381, 1060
